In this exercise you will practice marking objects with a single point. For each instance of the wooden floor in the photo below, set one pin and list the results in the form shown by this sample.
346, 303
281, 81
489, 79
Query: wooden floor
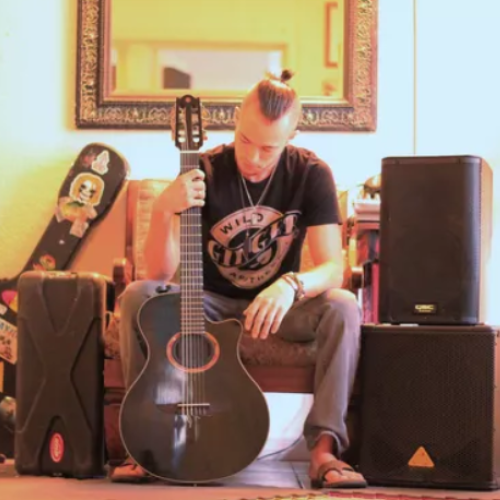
263, 479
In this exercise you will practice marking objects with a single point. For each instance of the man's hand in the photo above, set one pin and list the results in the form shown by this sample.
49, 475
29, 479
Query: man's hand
187, 190
266, 312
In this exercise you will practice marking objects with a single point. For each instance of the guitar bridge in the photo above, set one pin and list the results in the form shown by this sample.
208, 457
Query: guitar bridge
195, 409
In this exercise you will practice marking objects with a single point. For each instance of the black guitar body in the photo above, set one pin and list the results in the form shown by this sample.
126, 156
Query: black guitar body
194, 414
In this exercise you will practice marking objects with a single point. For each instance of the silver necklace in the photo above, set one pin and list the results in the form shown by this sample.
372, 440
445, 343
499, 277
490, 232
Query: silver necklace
254, 217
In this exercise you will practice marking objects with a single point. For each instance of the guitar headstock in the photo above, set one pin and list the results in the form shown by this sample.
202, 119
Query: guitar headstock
188, 126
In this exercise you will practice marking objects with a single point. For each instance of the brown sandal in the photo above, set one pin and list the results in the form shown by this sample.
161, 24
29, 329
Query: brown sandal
339, 467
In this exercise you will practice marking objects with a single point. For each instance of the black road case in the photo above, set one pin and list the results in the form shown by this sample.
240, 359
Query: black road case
59, 387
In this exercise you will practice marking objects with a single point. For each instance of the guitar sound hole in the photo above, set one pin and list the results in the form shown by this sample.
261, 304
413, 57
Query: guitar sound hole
194, 351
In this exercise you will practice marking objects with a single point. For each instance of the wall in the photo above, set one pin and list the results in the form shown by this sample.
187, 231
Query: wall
38, 140
457, 82
455, 112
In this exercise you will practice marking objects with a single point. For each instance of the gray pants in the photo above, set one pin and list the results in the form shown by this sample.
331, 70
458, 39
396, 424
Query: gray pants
333, 318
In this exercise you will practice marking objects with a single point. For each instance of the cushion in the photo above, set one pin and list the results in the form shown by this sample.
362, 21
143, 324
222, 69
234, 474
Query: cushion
144, 192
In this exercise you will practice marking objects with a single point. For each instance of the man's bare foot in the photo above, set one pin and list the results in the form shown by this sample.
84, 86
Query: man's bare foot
327, 471
129, 472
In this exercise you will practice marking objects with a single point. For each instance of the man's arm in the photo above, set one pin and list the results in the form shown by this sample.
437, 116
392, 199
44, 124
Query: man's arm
161, 249
325, 246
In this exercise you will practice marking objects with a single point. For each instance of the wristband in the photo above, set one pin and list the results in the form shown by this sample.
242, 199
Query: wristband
292, 283
296, 283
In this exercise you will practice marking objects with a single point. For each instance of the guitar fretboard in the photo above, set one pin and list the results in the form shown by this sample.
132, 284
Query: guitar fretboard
191, 259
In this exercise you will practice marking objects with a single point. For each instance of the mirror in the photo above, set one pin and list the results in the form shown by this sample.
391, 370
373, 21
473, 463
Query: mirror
136, 56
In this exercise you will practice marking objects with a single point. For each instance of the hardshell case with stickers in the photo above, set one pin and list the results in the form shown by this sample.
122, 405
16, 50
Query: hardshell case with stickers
59, 388
86, 195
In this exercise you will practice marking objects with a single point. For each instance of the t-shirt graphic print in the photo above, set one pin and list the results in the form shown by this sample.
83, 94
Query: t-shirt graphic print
248, 246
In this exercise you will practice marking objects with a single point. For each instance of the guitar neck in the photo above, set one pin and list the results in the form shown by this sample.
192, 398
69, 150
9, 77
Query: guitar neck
191, 259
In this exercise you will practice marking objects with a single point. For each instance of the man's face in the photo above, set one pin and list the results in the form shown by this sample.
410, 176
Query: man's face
259, 142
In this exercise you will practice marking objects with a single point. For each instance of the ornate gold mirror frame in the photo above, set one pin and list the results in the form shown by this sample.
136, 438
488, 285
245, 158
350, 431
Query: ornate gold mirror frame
96, 107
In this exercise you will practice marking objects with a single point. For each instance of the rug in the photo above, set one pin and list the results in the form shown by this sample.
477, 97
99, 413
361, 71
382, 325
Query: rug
348, 495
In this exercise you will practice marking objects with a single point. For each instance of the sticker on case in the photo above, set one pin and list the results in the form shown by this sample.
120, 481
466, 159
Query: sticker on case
8, 342
10, 298
45, 263
100, 164
8, 413
85, 193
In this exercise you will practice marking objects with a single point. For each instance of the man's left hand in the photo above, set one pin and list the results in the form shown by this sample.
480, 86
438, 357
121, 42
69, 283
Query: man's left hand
266, 312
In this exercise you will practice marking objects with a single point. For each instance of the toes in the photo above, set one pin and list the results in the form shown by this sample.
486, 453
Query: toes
333, 476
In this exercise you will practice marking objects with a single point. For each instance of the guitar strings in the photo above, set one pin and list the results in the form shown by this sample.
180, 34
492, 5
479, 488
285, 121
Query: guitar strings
184, 292
192, 298
195, 296
195, 347
183, 300
198, 336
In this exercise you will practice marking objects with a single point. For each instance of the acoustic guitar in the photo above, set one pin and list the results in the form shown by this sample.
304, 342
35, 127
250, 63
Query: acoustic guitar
194, 414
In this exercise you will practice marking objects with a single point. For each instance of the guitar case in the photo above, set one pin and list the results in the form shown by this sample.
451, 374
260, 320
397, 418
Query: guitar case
60, 373
88, 192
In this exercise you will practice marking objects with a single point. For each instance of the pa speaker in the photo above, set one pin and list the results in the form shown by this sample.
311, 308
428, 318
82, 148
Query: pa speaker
435, 232
430, 406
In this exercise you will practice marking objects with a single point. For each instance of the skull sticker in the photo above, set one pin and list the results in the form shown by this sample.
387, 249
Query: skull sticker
85, 193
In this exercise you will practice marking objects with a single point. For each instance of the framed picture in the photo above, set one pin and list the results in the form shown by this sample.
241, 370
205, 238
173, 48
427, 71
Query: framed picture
344, 44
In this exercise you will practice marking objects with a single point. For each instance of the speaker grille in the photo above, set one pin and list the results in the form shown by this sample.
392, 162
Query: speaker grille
448, 279
431, 390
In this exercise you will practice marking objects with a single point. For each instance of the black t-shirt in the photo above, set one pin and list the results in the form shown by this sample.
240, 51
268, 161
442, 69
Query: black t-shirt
246, 248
